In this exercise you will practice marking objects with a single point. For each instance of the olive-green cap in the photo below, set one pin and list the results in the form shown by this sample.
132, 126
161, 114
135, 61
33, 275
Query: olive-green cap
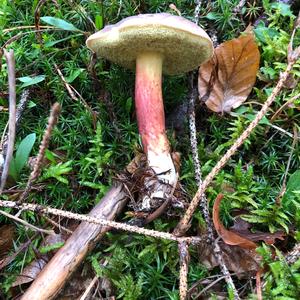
183, 44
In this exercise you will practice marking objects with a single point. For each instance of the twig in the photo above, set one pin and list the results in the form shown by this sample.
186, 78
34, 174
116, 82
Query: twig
86, 293
71, 91
239, 7
26, 223
184, 223
258, 284
184, 258
209, 286
21, 106
293, 255
121, 226
224, 269
12, 115
43, 146
60, 227
197, 11
283, 187
37, 19
7, 260
291, 100
198, 176
25, 27
196, 162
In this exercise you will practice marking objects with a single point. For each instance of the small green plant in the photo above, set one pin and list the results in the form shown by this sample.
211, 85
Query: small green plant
281, 280
20, 159
56, 169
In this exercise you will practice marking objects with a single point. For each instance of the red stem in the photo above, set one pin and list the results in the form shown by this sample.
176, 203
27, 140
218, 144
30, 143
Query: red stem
149, 103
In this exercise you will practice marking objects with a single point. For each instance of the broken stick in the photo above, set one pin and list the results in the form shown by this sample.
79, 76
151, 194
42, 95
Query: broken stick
55, 274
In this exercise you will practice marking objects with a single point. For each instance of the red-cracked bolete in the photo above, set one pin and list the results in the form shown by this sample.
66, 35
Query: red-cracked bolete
153, 44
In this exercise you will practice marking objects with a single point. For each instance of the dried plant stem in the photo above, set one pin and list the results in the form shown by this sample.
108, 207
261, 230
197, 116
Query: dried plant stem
86, 294
94, 220
10, 59
184, 223
72, 91
224, 269
196, 162
25, 27
184, 258
26, 224
60, 227
293, 255
287, 103
37, 13
197, 11
21, 106
43, 146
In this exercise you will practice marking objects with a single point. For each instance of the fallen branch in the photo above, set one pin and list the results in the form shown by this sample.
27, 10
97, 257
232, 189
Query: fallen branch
55, 274
41, 155
10, 59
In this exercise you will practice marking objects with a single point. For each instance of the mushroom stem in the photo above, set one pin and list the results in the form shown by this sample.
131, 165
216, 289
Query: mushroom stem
151, 118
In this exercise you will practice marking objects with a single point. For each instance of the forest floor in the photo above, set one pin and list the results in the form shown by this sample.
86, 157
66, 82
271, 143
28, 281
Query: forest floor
96, 137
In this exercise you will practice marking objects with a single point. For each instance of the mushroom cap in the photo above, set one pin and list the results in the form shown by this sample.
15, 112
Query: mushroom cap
183, 44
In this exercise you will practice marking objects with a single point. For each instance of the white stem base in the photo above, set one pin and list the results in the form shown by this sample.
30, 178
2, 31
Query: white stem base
163, 184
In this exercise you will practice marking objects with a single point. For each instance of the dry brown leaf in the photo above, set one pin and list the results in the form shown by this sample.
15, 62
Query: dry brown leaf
7, 233
30, 272
243, 262
226, 80
242, 228
228, 236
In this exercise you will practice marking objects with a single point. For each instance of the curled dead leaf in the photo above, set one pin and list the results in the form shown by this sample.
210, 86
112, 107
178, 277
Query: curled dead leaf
242, 228
226, 80
229, 237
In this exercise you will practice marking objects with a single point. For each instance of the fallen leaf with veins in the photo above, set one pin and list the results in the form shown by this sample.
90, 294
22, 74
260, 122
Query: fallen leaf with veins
242, 228
226, 80
229, 237
244, 262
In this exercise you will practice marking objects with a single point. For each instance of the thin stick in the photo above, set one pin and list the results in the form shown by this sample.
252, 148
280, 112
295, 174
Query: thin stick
26, 224
72, 91
12, 116
196, 162
184, 258
293, 255
25, 27
224, 269
60, 227
43, 146
94, 220
20, 109
209, 286
86, 293
198, 175
37, 13
290, 101
184, 223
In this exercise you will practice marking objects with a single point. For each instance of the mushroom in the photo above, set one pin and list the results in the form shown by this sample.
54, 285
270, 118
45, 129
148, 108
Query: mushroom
154, 44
